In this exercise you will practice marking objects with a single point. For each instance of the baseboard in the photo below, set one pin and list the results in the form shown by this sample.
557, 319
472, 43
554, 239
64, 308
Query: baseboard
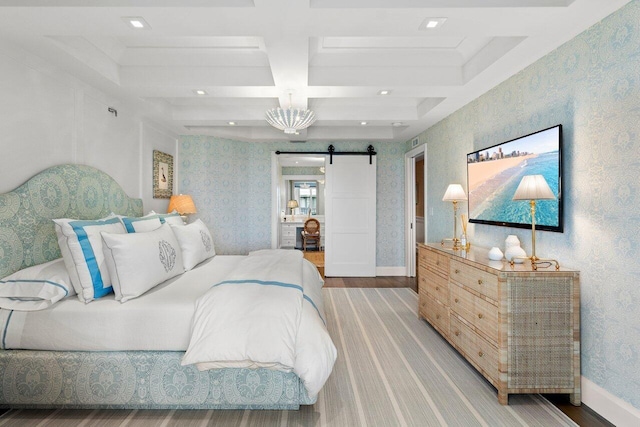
614, 409
391, 271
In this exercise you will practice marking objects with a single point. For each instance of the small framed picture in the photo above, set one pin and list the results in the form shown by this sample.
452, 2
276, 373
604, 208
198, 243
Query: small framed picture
162, 175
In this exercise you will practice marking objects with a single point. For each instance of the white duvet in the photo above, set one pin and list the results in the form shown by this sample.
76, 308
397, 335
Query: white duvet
267, 313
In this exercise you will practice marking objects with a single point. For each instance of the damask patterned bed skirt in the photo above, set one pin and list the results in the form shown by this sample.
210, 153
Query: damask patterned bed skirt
138, 380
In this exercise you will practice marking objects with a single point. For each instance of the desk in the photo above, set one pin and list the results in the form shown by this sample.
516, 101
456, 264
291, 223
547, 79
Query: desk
290, 237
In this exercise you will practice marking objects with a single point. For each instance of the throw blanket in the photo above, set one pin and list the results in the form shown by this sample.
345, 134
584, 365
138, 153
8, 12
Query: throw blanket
260, 317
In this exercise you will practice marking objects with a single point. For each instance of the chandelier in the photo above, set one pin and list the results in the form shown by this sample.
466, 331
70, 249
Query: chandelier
290, 120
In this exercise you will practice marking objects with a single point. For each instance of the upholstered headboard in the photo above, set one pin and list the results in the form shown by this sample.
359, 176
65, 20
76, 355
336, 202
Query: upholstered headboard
27, 236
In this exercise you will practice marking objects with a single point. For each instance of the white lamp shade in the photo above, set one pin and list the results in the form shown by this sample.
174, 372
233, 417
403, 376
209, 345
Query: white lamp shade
454, 193
292, 204
533, 187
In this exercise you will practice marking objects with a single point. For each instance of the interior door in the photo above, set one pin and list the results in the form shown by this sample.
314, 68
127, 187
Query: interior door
350, 220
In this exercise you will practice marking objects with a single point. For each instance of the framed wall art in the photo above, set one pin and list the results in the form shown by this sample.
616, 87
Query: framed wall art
162, 175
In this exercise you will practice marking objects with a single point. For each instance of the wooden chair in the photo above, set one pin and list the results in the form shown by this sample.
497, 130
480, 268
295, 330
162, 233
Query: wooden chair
311, 233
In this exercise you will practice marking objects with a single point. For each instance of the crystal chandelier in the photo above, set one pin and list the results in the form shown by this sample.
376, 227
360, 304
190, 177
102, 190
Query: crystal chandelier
290, 120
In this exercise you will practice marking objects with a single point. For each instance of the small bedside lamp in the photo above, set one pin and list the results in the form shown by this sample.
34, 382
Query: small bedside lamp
183, 204
532, 188
455, 193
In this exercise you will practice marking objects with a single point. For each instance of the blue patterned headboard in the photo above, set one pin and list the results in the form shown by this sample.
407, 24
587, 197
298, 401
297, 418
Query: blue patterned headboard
27, 236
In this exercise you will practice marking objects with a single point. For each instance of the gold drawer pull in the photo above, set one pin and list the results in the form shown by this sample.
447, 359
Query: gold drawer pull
456, 300
457, 333
437, 316
480, 354
456, 271
479, 315
479, 281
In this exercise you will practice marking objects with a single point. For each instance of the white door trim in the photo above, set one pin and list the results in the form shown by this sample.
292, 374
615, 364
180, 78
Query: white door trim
410, 205
275, 194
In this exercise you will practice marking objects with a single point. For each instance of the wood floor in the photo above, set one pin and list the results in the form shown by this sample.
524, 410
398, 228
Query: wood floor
582, 415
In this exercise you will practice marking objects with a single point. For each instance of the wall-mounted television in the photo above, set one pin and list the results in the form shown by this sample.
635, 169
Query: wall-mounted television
493, 174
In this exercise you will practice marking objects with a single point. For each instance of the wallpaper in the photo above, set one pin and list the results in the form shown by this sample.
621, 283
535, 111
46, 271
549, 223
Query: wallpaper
591, 85
298, 170
230, 182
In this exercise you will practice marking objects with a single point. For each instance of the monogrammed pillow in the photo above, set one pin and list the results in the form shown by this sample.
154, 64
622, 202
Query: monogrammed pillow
139, 261
196, 243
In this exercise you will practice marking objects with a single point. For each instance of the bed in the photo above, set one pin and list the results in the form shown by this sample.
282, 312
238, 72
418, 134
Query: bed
52, 358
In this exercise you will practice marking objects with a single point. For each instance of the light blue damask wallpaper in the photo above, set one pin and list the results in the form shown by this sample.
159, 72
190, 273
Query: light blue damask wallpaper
230, 182
294, 170
591, 85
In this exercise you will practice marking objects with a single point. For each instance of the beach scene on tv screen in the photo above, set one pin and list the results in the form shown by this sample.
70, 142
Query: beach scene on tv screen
494, 175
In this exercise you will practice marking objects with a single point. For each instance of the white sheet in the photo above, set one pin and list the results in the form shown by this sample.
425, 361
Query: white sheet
159, 320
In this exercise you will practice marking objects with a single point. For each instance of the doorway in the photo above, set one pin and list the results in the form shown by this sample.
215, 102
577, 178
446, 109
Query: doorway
349, 215
298, 192
415, 197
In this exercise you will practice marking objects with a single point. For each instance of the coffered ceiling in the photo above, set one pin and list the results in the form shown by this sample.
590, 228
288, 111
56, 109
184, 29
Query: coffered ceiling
335, 56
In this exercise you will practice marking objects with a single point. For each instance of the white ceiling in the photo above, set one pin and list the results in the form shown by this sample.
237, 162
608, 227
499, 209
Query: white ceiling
336, 55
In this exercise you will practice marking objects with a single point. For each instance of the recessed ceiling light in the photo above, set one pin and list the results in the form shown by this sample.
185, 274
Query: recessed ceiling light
200, 92
231, 123
432, 23
396, 124
363, 123
384, 92
136, 22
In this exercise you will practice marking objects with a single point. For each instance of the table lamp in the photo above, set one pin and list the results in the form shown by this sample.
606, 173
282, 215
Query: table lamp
292, 204
532, 188
455, 193
183, 204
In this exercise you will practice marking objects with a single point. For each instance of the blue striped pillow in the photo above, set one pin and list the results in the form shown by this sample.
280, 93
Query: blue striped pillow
81, 246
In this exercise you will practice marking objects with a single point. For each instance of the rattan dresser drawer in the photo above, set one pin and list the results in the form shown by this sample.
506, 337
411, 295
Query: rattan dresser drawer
476, 311
437, 286
438, 315
480, 351
480, 281
422, 258
436, 262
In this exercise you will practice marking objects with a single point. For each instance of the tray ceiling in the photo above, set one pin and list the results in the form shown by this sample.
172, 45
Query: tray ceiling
335, 55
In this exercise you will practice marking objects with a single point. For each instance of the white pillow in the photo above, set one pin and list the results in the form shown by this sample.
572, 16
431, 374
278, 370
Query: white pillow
172, 218
139, 261
141, 225
196, 243
81, 246
36, 287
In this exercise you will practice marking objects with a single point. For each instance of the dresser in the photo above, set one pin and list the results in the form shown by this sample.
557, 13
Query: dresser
519, 328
